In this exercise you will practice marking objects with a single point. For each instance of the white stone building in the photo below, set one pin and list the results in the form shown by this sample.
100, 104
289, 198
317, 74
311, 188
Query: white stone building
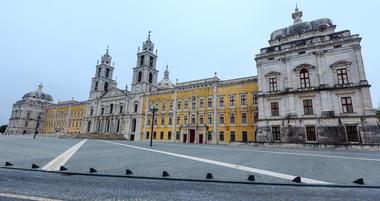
313, 87
28, 112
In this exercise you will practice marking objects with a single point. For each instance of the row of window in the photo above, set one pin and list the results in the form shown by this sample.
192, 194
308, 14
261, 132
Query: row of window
105, 87
202, 104
232, 119
107, 73
305, 79
142, 60
311, 134
308, 106
244, 136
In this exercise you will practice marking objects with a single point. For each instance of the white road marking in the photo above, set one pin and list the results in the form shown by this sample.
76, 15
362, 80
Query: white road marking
55, 164
26, 197
283, 153
229, 165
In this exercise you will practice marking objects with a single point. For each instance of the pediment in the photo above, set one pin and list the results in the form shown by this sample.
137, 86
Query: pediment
272, 73
114, 92
341, 63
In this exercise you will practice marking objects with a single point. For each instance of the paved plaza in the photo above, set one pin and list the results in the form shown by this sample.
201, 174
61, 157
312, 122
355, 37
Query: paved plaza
185, 162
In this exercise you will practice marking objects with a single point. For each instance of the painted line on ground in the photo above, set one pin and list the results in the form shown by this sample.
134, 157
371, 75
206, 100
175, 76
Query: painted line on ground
280, 152
25, 197
229, 165
56, 163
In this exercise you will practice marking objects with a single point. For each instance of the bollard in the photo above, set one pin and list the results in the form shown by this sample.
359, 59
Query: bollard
165, 174
209, 176
128, 171
297, 180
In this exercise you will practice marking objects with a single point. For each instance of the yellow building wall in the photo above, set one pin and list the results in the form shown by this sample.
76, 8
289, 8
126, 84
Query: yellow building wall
64, 118
248, 88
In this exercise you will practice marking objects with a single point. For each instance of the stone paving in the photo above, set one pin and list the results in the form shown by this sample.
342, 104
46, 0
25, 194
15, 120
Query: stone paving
337, 167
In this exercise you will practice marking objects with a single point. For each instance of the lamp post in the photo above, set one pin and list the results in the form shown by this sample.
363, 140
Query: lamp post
153, 109
37, 125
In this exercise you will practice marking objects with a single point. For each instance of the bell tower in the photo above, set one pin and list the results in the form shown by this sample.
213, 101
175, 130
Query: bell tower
102, 81
145, 72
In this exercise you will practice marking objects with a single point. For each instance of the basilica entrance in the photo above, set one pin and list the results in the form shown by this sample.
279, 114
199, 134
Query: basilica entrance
192, 135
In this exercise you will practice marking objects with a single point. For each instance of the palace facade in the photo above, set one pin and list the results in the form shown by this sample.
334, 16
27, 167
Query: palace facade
313, 87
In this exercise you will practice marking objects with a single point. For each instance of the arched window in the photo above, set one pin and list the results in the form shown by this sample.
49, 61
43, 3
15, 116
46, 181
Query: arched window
133, 125
106, 86
136, 107
96, 85
107, 72
305, 78
150, 78
99, 71
139, 77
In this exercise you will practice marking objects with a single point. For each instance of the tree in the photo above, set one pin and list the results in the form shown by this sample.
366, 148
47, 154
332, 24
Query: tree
3, 128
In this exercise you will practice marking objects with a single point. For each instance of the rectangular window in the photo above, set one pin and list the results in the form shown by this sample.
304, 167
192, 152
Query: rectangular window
201, 103
232, 118
209, 119
177, 135
232, 136
308, 107
186, 104
276, 133
102, 110
121, 109
201, 119
274, 109
170, 120
163, 107
347, 105
178, 120
221, 135
342, 76
155, 121
154, 135
243, 118
171, 106
147, 135
185, 120
209, 102
193, 103
221, 118
148, 121
232, 100
169, 135
209, 135
255, 116
91, 112
352, 134
221, 101
193, 119
310, 134
178, 105
255, 98
161, 135
243, 99
272, 84
162, 121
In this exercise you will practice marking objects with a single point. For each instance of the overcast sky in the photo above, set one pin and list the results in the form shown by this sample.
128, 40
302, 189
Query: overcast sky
59, 42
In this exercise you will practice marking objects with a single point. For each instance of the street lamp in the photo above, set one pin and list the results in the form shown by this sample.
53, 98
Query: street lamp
153, 109
37, 125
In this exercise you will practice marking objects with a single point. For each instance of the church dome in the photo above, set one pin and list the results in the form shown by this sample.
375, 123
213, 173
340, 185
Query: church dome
38, 94
301, 27
166, 83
